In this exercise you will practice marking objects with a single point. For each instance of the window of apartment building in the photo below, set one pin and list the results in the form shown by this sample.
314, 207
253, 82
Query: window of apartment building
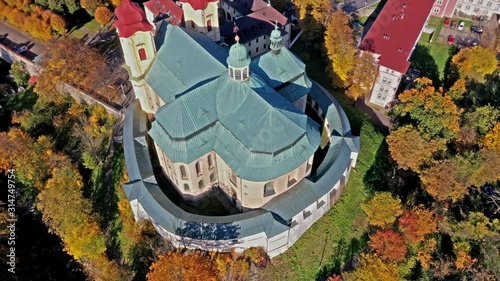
257, 40
459, 5
471, 1
212, 177
257, 50
467, 7
389, 81
381, 88
480, 2
489, 4
476, 10
198, 168
249, 53
232, 177
249, 43
201, 184
183, 172
436, 10
269, 189
264, 37
384, 79
379, 96
439, 2
264, 46
186, 187
210, 161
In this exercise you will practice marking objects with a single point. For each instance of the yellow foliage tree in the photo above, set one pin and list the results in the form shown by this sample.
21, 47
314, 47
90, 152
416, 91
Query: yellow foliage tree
363, 75
491, 140
103, 15
382, 209
116, 3
340, 48
424, 254
475, 62
372, 268
58, 23
441, 182
464, 261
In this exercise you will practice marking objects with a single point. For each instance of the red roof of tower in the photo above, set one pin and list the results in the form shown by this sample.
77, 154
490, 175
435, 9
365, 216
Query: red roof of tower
198, 4
396, 30
166, 7
130, 19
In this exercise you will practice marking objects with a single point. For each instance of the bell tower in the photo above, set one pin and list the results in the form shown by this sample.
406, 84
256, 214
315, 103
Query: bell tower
202, 16
137, 41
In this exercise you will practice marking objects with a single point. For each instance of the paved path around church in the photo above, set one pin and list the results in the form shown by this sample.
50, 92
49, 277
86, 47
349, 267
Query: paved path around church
17, 37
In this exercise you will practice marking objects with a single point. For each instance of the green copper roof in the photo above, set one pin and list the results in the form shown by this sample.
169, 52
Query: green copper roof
278, 69
180, 64
257, 132
238, 56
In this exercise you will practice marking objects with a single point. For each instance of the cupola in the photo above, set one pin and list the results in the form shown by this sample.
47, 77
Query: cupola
238, 62
276, 40
130, 19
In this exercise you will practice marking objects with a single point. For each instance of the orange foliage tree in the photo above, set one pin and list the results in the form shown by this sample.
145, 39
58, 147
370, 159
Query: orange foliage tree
491, 140
389, 245
416, 223
424, 254
179, 267
363, 75
91, 5
382, 209
372, 268
440, 181
103, 15
410, 150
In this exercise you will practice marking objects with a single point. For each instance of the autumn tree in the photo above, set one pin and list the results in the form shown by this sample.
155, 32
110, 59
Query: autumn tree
116, 3
482, 118
382, 209
363, 75
475, 62
180, 267
440, 181
231, 269
372, 268
58, 23
389, 245
320, 10
477, 169
339, 43
20, 74
103, 15
410, 150
434, 113
416, 223
91, 5
424, 254
491, 140
69, 61
458, 89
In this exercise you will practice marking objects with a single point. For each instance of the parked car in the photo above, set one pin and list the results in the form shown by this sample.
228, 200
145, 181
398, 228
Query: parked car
476, 29
446, 22
453, 24
21, 49
451, 39
461, 25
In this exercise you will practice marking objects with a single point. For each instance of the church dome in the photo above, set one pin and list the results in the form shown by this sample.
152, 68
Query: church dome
276, 40
238, 56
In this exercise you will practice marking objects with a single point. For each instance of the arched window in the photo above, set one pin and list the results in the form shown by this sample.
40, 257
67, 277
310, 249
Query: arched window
201, 184
183, 172
193, 26
210, 161
142, 54
269, 189
209, 25
212, 177
186, 187
199, 171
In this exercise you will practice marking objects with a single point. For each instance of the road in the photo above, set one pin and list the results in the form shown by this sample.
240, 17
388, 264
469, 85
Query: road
353, 5
14, 37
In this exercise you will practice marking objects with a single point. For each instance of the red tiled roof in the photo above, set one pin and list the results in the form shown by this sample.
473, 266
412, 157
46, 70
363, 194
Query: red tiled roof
166, 7
130, 19
270, 15
198, 4
396, 30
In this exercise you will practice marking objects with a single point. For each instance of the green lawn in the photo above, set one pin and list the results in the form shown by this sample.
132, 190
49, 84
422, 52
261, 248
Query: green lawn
90, 27
440, 52
340, 231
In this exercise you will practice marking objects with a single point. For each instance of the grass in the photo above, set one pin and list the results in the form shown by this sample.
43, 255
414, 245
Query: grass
90, 27
440, 52
439, 26
340, 231
363, 19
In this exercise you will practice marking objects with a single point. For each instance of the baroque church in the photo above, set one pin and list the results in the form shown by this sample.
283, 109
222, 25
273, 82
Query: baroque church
223, 117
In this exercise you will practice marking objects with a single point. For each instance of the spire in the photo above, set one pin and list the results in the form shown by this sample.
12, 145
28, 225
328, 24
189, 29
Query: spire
276, 40
130, 19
